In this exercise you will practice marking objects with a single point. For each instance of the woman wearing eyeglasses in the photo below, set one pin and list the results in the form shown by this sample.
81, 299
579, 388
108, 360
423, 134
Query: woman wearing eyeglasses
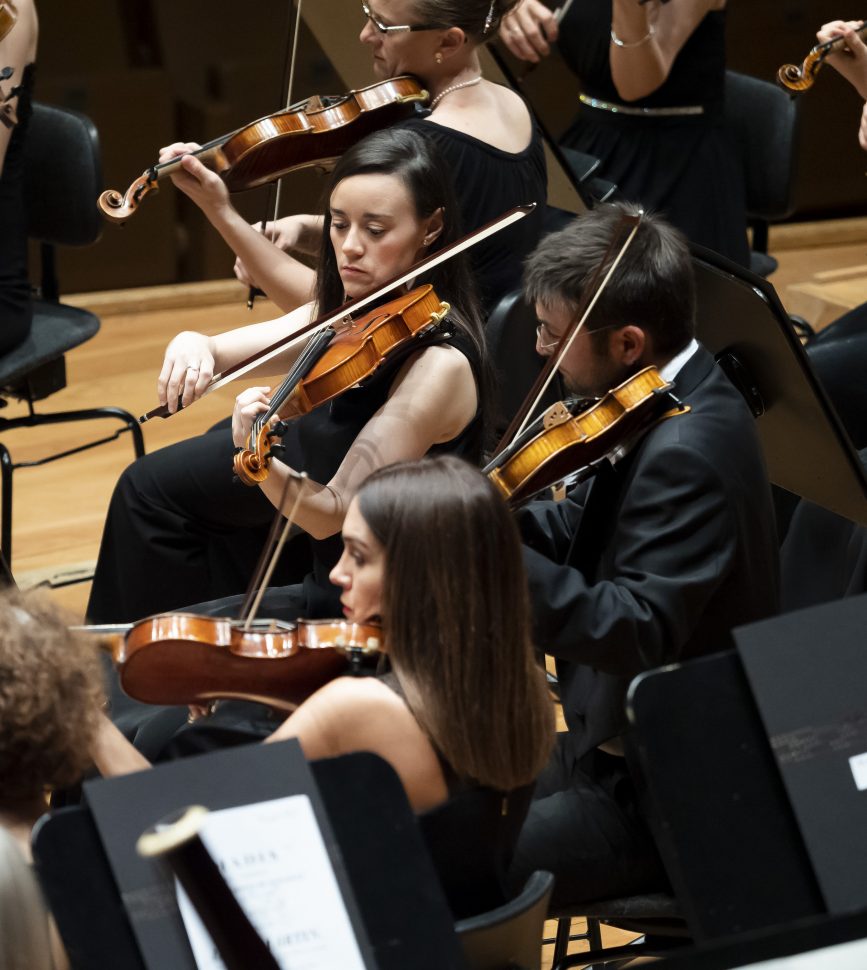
484, 131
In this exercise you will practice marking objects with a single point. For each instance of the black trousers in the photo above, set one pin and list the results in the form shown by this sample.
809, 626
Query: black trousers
180, 530
585, 826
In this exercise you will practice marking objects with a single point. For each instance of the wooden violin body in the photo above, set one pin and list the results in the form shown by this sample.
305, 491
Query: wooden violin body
359, 347
314, 133
182, 658
570, 442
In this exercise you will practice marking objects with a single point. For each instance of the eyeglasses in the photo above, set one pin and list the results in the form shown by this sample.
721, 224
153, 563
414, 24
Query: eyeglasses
403, 29
543, 345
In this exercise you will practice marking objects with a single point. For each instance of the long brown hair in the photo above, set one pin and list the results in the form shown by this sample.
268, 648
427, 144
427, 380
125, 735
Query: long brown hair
456, 618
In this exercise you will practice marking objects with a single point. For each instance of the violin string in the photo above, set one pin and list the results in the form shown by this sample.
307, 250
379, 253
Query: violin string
281, 542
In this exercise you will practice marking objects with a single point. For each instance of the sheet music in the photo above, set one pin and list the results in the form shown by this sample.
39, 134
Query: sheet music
273, 857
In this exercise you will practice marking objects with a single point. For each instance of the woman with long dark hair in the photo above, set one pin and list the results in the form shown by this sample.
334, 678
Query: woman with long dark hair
464, 714
180, 531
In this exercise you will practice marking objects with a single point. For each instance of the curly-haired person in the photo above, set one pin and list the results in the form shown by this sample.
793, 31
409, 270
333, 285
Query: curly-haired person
50, 697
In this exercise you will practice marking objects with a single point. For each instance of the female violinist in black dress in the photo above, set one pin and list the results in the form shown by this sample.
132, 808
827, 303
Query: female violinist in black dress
179, 530
456, 632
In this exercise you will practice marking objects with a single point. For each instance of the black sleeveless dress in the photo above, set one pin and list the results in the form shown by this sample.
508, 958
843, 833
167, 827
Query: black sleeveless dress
471, 836
16, 311
489, 182
684, 167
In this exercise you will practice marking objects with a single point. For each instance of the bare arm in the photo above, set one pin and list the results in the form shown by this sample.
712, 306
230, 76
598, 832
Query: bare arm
112, 754
192, 358
652, 36
292, 234
432, 399
851, 62
286, 281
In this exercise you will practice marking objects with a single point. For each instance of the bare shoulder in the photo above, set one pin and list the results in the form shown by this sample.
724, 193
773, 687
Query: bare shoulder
358, 712
438, 373
438, 382
495, 115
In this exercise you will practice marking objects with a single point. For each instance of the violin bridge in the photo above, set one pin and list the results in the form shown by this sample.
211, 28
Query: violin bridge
409, 98
556, 415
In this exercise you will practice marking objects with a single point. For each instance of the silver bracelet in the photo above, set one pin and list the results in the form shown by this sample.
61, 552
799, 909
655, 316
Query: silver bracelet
651, 30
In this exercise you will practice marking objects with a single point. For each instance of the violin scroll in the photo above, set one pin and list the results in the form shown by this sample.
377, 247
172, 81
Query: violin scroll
253, 463
797, 79
118, 208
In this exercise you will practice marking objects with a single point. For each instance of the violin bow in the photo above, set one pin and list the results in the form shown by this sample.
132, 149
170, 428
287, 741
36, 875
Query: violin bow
288, 69
352, 306
272, 549
589, 298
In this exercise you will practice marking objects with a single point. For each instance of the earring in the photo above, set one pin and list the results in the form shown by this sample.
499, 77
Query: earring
438, 57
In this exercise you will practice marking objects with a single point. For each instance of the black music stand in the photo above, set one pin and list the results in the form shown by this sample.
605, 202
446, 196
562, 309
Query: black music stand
741, 321
397, 894
807, 671
718, 810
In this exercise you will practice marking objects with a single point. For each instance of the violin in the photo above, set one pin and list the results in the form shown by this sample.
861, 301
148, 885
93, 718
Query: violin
313, 133
337, 359
8, 18
801, 78
183, 659
568, 441
321, 324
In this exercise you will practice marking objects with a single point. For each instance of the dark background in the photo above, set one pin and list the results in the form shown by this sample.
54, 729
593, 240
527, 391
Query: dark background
149, 72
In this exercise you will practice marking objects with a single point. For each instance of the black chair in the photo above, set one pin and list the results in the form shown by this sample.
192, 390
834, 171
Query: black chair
509, 937
511, 336
764, 122
655, 916
62, 181
838, 355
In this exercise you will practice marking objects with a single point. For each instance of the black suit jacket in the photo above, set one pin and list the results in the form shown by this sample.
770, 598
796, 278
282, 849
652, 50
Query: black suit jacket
659, 558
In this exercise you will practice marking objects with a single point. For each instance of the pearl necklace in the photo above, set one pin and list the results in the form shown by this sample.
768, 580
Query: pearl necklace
454, 87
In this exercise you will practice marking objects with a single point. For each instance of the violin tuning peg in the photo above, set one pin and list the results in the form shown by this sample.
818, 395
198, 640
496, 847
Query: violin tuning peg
277, 451
278, 430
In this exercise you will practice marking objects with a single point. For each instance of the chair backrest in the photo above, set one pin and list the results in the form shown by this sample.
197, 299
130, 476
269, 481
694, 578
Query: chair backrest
63, 177
511, 935
717, 806
764, 121
511, 337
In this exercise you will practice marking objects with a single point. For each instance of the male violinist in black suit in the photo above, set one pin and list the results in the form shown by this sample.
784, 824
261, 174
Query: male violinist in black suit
654, 562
